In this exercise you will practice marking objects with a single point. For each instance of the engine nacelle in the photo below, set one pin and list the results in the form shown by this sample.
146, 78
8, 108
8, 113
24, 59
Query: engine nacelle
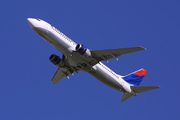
56, 60
83, 50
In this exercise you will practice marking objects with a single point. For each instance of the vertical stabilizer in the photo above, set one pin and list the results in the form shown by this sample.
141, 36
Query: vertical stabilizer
135, 78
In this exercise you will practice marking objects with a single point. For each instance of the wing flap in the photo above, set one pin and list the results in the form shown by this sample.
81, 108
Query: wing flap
59, 74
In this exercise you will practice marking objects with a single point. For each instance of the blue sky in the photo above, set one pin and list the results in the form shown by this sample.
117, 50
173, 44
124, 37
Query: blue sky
26, 91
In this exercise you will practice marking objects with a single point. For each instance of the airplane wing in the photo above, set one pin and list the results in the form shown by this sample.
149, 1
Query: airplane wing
99, 55
113, 53
59, 74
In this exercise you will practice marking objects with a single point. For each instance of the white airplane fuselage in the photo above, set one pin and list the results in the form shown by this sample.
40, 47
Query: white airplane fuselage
76, 57
66, 46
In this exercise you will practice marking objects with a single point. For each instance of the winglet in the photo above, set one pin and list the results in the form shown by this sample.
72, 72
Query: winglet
143, 48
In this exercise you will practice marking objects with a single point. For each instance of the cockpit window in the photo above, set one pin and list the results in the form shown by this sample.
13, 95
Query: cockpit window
38, 19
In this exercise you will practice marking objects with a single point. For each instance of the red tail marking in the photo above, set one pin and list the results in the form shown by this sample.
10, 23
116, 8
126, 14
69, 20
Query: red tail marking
141, 72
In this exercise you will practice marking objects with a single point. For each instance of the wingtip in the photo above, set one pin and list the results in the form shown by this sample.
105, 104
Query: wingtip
158, 87
143, 48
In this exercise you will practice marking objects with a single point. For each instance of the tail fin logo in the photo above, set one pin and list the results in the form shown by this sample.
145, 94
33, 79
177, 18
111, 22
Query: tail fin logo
136, 77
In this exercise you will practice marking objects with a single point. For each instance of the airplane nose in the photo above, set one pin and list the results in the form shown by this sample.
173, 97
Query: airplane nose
30, 21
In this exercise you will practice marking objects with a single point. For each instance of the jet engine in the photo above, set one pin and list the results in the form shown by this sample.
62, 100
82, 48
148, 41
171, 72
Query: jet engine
83, 50
56, 60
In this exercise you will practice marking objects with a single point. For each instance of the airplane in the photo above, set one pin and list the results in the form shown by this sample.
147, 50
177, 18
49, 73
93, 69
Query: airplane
76, 57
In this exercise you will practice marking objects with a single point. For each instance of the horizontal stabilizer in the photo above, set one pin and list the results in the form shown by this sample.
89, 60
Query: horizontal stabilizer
139, 89
125, 96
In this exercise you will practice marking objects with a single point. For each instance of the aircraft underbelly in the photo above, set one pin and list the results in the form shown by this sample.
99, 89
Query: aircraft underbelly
52, 39
105, 78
